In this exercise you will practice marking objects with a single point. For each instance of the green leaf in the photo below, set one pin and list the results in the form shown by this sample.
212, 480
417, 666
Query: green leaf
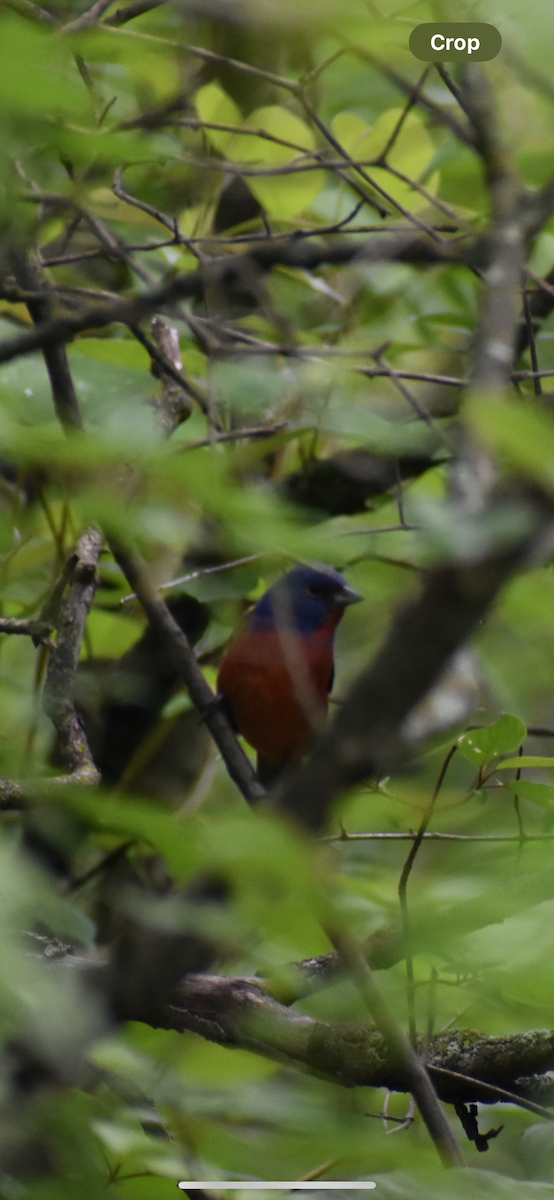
178, 704
479, 746
138, 821
146, 67
118, 352
411, 152
214, 106
38, 76
526, 760
520, 435
350, 130
283, 197
111, 634
539, 793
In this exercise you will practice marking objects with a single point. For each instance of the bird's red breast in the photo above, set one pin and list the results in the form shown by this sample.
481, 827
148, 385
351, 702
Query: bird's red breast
277, 683
278, 672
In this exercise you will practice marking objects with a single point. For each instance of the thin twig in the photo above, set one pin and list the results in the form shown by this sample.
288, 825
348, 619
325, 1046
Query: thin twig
89, 18
361, 171
161, 587
522, 834
403, 1053
402, 892
376, 529
208, 705
27, 9
440, 115
249, 433
170, 369
404, 114
122, 15
422, 413
64, 395
169, 222
34, 628
537, 386
423, 376
490, 1090
435, 836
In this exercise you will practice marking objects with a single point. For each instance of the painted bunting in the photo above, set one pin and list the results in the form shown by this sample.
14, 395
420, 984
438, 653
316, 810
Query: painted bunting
278, 672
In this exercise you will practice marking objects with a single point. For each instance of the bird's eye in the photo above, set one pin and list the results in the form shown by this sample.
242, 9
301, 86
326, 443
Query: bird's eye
315, 589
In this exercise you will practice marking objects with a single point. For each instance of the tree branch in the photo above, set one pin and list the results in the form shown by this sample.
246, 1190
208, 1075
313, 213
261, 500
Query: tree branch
403, 1056
172, 636
171, 371
88, 18
500, 300
122, 15
33, 627
235, 1012
58, 690
224, 274
63, 391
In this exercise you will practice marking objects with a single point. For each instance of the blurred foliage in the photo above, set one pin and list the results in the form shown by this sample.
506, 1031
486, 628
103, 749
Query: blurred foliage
154, 1106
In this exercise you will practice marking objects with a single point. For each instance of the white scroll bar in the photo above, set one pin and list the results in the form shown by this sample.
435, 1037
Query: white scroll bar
223, 1185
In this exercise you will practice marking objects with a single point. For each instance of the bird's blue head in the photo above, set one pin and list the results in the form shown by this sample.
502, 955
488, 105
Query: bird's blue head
305, 599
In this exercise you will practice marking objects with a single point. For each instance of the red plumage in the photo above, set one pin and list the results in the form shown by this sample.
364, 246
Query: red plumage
278, 672
275, 711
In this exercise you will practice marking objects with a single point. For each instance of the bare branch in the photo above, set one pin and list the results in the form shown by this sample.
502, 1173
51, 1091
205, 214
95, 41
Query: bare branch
224, 273
172, 636
395, 204
436, 836
27, 9
122, 15
170, 223
55, 356
500, 301
89, 18
38, 630
248, 433
440, 115
489, 1093
403, 894
404, 1056
236, 1012
422, 376
170, 370
58, 691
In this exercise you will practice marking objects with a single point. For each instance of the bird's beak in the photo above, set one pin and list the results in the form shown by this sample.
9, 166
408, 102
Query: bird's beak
347, 595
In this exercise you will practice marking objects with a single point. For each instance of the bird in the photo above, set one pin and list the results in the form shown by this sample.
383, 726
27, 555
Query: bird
276, 676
